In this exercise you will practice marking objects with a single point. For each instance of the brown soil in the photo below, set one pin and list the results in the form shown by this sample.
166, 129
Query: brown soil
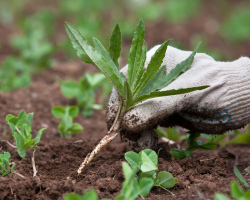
58, 157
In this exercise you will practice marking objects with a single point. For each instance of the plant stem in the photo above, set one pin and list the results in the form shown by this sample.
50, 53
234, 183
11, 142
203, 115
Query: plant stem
34, 164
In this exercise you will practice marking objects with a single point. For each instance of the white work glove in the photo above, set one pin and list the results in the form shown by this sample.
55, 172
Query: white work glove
221, 107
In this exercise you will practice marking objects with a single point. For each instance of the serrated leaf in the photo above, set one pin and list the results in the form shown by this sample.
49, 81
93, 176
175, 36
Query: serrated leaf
153, 85
58, 112
115, 45
136, 52
165, 93
79, 42
101, 49
134, 160
165, 179
153, 67
39, 135
140, 69
176, 72
146, 185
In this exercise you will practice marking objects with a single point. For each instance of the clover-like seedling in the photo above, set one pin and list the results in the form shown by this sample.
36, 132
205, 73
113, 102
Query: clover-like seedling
145, 164
84, 91
5, 165
66, 128
21, 131
140, 84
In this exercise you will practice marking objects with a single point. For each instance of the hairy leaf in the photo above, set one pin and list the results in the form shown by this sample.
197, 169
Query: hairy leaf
165, 93
153, 67
79, 42
136, 52
115, 45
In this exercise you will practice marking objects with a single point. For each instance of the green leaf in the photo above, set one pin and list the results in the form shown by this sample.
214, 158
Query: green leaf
153, 67
29, 119
58, 112
134, 160
220, 196
240, 177
165, 93
146, 185
207, 146
39, 135
81, 44
165, 179
128, 172
73, 111
6, 173
101, 49
6, 164
6, 155
76, 128
180, 154
115, 45
136, 52
236, 190
176, 72
148, 167
153, 84
27, 144
8, 117
140, 67
128, 95
21, 119
70, 89
151, 155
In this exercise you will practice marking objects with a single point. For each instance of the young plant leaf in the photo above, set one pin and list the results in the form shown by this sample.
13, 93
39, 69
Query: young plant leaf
220, 196
58, 112
146, 185
136, 52
115, 45
236, 190
73, 111
165, 179
240, 177
39, 135
165, 93
175, 72
150, 155
153, 67
134, 160
81, 45
76, 128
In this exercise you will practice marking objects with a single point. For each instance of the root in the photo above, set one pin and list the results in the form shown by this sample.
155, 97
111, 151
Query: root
34, 164
100, 145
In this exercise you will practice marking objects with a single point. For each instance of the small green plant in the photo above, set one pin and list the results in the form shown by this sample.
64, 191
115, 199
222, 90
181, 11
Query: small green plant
171, 133
66, 128
5, 165
236, 190
140, 84
84, 91
145, 165
21, 131
193, 144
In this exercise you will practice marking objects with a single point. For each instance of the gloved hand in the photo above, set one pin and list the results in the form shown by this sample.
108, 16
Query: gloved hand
221, 107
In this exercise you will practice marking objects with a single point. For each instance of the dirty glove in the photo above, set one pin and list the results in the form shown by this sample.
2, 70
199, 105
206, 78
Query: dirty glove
221, 107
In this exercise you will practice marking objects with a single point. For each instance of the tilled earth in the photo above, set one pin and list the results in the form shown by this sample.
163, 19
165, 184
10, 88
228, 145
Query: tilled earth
58, 157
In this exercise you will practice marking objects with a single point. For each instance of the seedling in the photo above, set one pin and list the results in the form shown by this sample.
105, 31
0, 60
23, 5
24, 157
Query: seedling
5, 165
170, 133
140, 84
90, 194
145, 165
193, 144
84, 91
66, 128
21, 131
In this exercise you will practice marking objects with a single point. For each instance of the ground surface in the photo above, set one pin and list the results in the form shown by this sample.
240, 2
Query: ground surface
210, 171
